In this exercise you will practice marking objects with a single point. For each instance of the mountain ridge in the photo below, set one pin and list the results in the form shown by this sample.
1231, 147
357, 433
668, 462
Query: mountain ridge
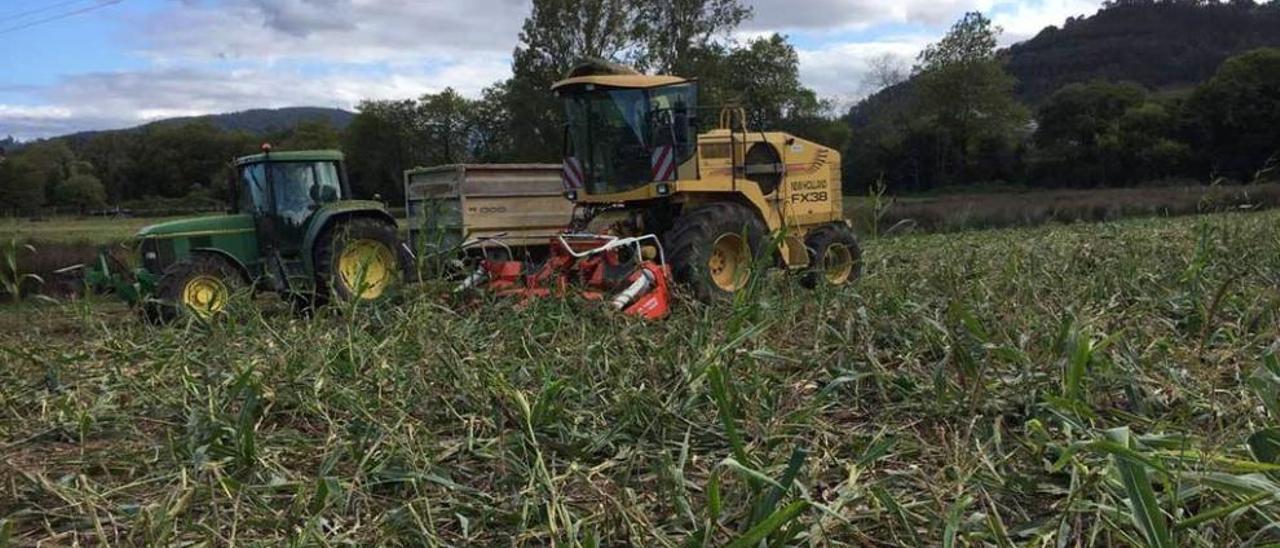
257, 121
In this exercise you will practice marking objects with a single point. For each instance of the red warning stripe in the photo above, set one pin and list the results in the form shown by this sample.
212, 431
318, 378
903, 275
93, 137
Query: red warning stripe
663, 163
571, 174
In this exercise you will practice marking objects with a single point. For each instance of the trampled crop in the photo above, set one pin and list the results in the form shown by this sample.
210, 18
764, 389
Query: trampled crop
1093, 384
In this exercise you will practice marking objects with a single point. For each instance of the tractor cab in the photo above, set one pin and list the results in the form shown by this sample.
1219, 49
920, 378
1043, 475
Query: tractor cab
283, 191
626, 131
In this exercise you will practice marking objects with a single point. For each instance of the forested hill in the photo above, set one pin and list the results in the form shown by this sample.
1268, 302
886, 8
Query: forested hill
1160, 45
255, 121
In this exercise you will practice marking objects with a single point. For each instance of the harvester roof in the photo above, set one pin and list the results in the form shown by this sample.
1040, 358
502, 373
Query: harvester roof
293, 156
632, 81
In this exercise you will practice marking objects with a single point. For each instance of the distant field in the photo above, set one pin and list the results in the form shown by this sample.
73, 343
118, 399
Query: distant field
941, 213
1064, 385
966, 211
70, 230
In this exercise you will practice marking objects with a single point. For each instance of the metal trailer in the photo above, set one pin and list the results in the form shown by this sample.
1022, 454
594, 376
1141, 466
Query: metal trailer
519, 206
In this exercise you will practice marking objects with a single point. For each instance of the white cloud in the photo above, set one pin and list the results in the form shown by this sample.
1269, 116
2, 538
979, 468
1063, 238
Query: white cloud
1022, 21
831, 15
330, 31
122, 99
840, 71
211, 56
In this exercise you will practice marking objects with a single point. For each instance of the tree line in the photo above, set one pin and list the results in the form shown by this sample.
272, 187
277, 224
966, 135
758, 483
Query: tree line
952, 119
957, 122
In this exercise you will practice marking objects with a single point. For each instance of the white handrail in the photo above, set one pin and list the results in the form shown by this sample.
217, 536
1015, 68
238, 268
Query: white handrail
612, 242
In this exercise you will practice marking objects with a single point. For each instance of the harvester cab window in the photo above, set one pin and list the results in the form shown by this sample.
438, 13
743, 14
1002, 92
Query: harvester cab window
613, 132
671, 113
606, 128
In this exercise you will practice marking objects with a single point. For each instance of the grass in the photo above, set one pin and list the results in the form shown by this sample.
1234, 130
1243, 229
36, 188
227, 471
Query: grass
75, 230
1105, 384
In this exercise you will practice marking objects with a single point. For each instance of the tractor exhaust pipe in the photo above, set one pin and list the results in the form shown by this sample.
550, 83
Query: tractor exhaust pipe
642, 284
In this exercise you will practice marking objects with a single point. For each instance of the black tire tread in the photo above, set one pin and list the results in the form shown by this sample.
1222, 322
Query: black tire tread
692, 234
167, 307
325, 250
817, 241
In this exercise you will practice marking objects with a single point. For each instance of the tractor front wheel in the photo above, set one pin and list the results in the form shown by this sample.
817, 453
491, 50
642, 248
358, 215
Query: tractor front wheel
712, 248
834, 256
201, 286
357, 260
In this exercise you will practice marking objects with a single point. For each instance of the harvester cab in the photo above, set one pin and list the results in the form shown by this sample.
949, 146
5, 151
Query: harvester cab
293, 228
635, 162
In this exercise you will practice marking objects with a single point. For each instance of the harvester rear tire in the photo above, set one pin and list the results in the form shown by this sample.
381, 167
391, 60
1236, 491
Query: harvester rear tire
692, 242
200, 286
370, 242
835, 259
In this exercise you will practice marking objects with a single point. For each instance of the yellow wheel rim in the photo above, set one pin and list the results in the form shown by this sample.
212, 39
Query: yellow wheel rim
367, 268
205, 295
728, 262
837, 264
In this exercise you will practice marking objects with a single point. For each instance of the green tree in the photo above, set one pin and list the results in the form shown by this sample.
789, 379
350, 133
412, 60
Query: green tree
22, 186
311, 135
52, 161
379, 146
1235, 115
971, 40
1104, 133
965, 100
764, 78
556, 35
388, 137
667, 36
491, 123
677, 35
113, 156
444, 124
170, 159
80, 190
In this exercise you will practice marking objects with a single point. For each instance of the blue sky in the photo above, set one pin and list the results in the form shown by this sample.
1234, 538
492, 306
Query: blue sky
119, 63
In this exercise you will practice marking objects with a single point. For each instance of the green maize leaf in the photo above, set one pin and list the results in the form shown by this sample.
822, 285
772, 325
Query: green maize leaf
1145, 511
1265, 445
766, 527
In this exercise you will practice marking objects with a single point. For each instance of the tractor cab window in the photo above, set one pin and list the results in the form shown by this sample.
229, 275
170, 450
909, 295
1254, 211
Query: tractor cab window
256, 198
291, 190
613, 133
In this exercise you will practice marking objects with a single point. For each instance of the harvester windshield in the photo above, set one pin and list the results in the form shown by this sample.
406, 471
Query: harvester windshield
621, 138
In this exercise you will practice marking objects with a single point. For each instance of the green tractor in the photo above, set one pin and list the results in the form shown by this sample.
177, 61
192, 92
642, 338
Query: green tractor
292, 229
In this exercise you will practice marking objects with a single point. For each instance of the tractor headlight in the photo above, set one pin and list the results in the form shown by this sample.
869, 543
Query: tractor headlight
663, 189
571, 195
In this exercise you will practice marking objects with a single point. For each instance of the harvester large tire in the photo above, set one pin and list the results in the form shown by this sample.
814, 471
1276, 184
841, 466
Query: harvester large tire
707, 252
356, 260
201, 285
834, 256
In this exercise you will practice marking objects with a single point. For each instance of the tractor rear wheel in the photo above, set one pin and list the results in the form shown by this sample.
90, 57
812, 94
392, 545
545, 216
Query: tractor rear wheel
712, 248
357, 260
201, 286
834, 256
